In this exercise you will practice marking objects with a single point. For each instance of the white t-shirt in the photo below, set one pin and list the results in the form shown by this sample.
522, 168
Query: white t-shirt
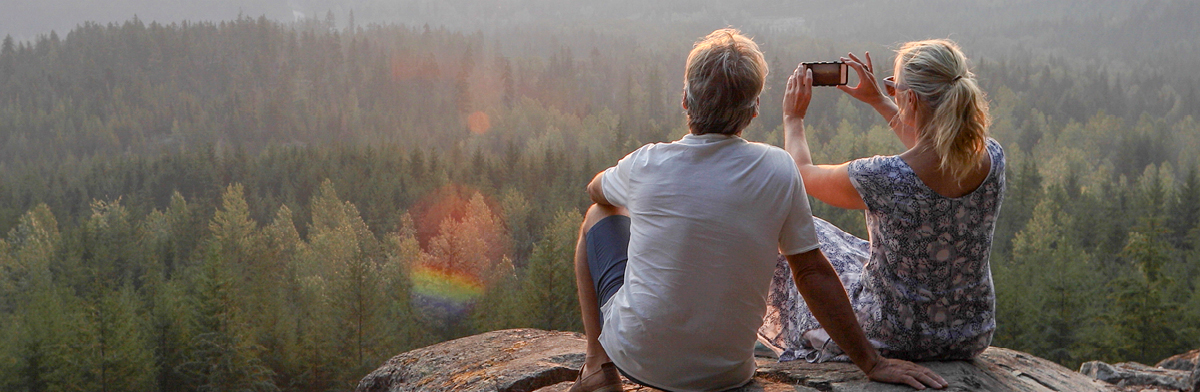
709, 216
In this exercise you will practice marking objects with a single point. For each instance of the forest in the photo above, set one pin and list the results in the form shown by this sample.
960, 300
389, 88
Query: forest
253, 205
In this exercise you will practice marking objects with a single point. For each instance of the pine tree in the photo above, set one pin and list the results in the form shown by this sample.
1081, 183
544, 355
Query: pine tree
517, 217
7, 62
1184, 212
1143, 323
1023, 195
282, 336
41, 335
116, 356
548, 294
350, 255
408, 328
1048, 298
169, 333
221, 357
109, 257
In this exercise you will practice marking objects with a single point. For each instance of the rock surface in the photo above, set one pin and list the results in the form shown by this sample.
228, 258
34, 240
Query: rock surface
1135, 374
1177, 373
526, 360
1187, 361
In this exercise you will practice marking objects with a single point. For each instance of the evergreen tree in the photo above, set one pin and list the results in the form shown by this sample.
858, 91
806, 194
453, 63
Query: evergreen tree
108, 258
115, 355
405, 327
548, 293
351, 256
170, 334
221, 356
1143, 328
1184, 211
1022, 196
1041, 304
40, 336
7, 52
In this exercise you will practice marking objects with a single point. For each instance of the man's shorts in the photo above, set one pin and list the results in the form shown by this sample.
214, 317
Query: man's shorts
607, 253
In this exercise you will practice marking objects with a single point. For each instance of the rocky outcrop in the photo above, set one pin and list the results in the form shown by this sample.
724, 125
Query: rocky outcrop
1188, 361
1135, 374
1177, 373
526, 360
514, 360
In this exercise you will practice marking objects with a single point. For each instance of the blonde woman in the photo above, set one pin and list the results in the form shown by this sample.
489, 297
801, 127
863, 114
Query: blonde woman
922, 286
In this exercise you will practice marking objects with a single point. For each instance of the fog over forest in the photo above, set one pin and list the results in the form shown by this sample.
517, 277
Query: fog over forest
1135, 34
301, 189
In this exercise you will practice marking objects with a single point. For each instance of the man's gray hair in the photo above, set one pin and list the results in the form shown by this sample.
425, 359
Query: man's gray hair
724, 77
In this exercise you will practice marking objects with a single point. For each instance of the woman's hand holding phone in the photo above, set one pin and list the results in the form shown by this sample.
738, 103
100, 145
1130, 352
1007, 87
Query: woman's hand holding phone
867, 89
797, 95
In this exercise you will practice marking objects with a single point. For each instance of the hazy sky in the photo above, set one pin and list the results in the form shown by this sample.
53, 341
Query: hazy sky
1121, 34
24, 19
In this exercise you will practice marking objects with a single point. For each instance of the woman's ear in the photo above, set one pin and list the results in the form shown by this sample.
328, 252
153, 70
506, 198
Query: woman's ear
756, 102
917, 108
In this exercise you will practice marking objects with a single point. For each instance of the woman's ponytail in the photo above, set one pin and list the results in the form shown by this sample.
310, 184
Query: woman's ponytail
937, 72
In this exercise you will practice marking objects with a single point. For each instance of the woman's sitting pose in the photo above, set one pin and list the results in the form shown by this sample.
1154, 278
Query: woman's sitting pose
922, 286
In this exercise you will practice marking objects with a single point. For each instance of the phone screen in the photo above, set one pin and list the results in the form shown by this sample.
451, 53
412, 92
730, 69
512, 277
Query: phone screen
828, 74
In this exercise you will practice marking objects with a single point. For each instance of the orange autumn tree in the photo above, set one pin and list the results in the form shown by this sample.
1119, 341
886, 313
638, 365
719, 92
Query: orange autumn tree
471, 246
463, 258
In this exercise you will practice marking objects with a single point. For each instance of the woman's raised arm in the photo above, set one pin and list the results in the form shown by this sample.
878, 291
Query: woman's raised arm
828, 183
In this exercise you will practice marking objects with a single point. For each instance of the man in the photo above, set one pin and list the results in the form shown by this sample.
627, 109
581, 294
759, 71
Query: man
675, 258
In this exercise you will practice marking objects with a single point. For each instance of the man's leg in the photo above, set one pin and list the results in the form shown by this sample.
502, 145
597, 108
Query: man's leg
588, 301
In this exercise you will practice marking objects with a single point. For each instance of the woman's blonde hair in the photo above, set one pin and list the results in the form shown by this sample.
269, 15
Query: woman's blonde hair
724, 76
936, 70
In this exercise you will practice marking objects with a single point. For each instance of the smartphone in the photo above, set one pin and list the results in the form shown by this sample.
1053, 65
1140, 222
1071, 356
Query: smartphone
831, 73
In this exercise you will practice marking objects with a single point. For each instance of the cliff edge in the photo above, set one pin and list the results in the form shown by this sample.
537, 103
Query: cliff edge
525, 360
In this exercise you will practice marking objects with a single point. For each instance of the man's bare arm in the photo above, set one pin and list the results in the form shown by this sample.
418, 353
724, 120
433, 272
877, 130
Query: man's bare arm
595, 190
818, 283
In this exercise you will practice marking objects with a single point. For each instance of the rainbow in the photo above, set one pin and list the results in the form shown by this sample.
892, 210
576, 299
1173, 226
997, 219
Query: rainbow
450, 286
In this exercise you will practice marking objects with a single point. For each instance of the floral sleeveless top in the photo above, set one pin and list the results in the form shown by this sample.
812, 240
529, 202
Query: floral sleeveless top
927, 290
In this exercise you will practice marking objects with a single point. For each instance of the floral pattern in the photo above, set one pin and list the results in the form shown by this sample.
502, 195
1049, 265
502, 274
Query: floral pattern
922, 287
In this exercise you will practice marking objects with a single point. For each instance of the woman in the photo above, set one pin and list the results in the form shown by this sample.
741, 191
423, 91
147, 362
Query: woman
922, 287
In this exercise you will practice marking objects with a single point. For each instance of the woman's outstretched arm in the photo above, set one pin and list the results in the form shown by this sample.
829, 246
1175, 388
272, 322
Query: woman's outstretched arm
868, 92
828, 183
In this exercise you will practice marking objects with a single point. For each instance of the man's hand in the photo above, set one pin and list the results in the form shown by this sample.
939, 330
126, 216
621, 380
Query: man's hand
896, 371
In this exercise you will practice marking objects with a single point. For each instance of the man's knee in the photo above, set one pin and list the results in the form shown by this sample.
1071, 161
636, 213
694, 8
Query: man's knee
597, 212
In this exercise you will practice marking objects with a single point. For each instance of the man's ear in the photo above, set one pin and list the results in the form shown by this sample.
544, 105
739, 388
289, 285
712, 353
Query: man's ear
684, 99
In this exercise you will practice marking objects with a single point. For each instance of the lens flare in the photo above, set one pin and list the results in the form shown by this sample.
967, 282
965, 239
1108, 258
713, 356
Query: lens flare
479, 123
